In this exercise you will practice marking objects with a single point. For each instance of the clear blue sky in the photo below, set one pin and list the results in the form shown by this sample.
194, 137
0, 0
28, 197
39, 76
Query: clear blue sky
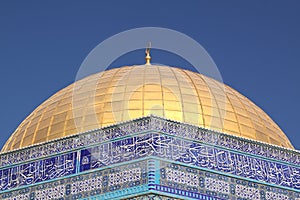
255, 44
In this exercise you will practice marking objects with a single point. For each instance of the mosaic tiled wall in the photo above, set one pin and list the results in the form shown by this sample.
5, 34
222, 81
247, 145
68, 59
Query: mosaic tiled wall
193, 164
151, 144
193, 153
192, 180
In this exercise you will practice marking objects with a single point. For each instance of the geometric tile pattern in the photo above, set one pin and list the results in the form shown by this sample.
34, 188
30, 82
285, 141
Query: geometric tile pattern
219, 186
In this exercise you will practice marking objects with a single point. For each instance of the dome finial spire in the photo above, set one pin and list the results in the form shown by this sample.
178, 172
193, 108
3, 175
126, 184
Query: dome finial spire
148, 57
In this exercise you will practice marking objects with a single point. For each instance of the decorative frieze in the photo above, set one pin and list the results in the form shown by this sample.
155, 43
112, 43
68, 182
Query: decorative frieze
150, 123
192, 153
85, 185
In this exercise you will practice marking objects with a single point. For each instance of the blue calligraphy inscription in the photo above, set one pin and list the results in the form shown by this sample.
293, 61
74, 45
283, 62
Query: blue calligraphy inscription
150, 123
38, 171
188, 152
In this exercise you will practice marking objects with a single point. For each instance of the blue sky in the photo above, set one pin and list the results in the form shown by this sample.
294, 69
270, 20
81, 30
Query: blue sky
255, 44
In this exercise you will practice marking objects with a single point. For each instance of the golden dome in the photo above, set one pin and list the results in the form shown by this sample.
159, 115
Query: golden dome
126, 93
